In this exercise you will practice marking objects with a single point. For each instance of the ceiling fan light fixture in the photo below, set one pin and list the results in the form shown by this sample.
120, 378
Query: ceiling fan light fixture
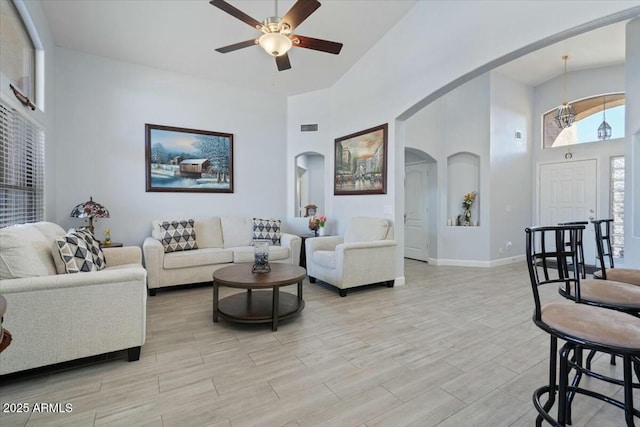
275, 44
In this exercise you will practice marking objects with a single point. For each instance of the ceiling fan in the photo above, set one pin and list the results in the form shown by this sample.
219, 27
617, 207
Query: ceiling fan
277, 37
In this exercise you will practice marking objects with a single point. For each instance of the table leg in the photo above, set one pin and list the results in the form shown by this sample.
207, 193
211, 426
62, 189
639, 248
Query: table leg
215, 302
275, 309
299, 292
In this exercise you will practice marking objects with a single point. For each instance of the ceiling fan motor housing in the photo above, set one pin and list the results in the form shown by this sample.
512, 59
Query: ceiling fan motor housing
274, 24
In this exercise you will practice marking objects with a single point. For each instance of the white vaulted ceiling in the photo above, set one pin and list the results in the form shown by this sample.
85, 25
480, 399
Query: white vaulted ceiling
181, 35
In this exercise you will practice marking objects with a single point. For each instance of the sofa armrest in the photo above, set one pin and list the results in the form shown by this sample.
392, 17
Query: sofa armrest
327, 243
58, 281
153, 260
365, 245
121, 256
294, 243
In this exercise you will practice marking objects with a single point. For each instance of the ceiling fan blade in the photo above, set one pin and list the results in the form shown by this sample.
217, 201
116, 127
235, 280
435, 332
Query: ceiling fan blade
316, 44
236, 13
299, 12
236, 46
283, 62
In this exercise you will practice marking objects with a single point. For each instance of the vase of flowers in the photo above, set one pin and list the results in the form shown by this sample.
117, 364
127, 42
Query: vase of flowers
322, 220
467, 204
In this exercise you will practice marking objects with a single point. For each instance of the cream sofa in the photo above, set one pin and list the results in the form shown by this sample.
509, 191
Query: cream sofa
221, 241
60, 317
366, 254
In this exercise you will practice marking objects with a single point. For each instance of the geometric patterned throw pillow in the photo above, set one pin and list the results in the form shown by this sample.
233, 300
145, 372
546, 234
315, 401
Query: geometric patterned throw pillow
93, 245
178, 235
75, 254
267, 230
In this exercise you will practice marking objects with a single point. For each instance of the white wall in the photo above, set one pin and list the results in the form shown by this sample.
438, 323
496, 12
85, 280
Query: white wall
433, 45
632, 147
102, 106
580, 84
511, 186
457, 123
309, 108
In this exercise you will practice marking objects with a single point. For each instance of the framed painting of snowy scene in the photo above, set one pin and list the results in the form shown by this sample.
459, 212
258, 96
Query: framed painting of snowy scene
361, 162
188, 160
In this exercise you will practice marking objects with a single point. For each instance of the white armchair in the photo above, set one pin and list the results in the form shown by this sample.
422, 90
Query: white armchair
365, 255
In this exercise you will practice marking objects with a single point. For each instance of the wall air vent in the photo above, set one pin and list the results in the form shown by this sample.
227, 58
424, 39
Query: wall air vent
309, 128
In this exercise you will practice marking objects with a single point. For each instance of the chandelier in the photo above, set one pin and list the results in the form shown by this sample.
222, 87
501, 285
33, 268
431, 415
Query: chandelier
565, 115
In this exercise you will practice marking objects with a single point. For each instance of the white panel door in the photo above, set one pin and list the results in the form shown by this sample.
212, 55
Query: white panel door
416, 238
568, 192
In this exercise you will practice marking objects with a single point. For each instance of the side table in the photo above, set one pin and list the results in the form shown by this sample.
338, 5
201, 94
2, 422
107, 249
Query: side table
303, 250
104, 244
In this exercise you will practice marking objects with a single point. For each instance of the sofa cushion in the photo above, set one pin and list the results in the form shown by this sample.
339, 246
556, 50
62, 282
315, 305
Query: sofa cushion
209, 232
26, 252
178, 235
49, 230
365, 229
75, 253
268, 230
245, 253
325, 258
207, 256
236, 231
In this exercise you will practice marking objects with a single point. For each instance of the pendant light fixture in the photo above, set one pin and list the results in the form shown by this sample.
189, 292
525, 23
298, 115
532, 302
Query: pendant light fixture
604, 131
564, 115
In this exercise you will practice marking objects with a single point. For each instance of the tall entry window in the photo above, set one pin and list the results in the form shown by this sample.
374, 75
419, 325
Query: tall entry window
617, 206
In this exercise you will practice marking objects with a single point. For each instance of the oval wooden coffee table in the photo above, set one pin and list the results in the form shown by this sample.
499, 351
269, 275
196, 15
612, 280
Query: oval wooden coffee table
267, 304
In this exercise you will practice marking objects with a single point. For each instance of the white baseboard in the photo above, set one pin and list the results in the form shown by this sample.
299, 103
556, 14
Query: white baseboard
476, 263
400, 281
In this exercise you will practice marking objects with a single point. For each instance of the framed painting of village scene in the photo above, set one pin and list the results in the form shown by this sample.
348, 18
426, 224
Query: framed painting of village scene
361, 162
188, 160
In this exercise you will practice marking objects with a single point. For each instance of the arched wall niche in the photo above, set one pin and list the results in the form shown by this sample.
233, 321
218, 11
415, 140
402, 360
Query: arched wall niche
309, 182
463, 177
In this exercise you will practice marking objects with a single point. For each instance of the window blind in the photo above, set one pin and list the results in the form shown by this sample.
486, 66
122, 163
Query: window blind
21, 168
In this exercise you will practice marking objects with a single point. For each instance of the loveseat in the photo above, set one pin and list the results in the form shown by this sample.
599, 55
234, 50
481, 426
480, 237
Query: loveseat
56, 316
218, 241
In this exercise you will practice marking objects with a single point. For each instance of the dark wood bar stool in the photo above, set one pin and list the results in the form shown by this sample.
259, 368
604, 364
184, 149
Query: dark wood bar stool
583, 327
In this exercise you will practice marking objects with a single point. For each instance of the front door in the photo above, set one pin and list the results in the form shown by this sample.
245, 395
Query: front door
568, 192
416, 237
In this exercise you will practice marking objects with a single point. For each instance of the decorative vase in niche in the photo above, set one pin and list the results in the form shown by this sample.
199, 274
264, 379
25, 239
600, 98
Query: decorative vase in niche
261, 257
467, 217
321, 231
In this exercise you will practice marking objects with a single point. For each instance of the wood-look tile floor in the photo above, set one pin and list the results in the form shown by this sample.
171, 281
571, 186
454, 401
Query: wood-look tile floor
453, 347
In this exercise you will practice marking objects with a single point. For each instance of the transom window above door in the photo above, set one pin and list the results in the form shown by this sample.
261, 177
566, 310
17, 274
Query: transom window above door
590, 114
